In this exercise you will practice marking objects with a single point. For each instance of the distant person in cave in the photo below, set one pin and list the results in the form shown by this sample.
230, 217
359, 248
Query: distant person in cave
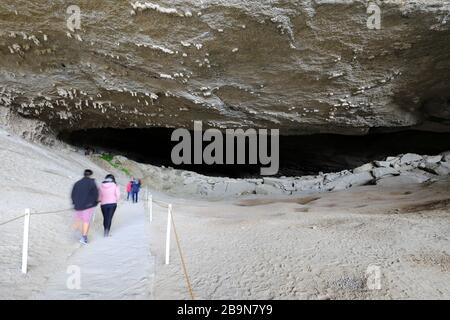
88, 151
85, 199
135, 188
109, 197
129, 184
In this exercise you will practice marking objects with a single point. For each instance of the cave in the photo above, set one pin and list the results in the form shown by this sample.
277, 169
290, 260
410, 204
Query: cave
299, 154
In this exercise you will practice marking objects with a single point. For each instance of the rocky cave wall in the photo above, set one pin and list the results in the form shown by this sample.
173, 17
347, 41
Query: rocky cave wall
304, 67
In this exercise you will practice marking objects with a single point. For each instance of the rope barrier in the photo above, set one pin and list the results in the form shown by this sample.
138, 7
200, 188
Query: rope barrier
11, 220
34, 213
26, 231
51, 212
186, 276
171, 222
161, 203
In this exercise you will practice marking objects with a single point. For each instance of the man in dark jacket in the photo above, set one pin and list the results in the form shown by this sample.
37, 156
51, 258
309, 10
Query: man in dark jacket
84, 199
135, 187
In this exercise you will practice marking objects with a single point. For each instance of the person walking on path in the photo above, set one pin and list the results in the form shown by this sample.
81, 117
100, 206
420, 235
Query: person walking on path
135, 187
109, 197
85, 199
129, 184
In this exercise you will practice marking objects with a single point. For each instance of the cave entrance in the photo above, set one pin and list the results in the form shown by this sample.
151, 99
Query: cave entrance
299, 155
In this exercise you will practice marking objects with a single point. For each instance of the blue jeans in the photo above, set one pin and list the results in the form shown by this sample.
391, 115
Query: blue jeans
135, 197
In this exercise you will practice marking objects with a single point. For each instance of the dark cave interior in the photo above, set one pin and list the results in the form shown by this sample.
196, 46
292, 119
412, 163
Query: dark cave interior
299, 155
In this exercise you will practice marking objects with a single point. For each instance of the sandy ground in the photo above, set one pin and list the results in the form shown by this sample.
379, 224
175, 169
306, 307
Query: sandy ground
310, 247
39, 178
314, 247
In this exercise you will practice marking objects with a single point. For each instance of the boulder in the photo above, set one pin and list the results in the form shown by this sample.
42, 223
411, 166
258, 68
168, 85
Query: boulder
399, 180
440, 169
404, 168
382, 164
350, 180
265, 189
240, 187
285, 184
445, 164
382, 172
219, 188
410, 158
363, 168
255, 181
433, 159
329, 177
392, 159
120, 159
308, 183
419, 175
446, 156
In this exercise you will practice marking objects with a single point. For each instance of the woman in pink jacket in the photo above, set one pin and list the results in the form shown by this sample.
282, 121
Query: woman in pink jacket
109, 197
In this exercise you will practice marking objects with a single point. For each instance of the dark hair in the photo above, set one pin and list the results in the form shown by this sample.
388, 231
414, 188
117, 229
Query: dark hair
110, 176
88, 173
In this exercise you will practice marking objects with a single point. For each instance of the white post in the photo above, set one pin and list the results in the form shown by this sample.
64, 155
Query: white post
26, 230
150, 208
169, 221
